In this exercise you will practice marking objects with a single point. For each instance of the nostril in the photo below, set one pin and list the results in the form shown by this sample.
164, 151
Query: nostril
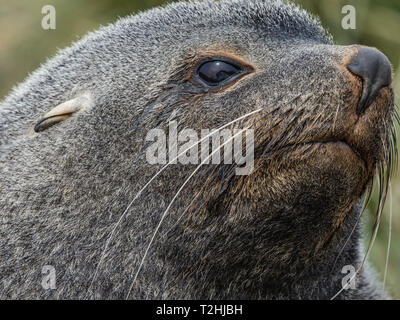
375, 71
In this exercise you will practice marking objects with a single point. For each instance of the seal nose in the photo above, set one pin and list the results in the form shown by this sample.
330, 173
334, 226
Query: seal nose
375, 71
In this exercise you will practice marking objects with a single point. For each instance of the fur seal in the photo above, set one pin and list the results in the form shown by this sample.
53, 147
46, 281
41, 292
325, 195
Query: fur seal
78, 195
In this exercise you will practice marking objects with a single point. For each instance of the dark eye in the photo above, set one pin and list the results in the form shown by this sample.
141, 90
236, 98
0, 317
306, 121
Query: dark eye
216, 72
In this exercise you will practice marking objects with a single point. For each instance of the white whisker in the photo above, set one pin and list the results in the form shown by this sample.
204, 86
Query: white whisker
151, 180
172, 201
183, 213
389, 236
371, 243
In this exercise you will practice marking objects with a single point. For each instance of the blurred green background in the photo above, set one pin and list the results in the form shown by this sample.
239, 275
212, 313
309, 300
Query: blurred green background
24, 45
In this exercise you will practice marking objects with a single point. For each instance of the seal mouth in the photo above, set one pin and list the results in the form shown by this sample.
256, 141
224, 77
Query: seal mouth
369, 136
339, 145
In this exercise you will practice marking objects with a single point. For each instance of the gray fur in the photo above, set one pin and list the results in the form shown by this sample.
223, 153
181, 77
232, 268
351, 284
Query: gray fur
62, 190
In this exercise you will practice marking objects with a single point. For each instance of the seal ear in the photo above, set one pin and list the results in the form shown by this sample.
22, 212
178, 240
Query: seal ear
63, 111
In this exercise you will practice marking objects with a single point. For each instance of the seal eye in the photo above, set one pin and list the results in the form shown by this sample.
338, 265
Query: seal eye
216, 72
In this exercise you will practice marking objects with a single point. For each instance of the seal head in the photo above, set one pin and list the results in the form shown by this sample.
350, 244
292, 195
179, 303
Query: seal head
78, 193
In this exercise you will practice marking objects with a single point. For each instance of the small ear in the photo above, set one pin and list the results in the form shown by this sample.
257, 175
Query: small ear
63, 111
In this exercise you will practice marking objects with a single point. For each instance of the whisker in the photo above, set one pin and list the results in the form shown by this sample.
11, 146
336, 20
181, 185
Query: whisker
165, 166
172, 201
152, 179
366, 200
381, 202
179, 191
334, 120
385, 170
389, 236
